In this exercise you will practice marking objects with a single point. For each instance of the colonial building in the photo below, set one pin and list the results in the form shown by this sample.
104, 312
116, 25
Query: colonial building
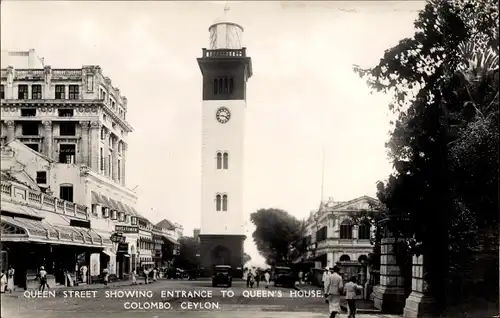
170, 234
332, 236
75, 120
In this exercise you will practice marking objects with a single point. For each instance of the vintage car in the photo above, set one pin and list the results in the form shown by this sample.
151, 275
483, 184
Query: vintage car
222, 276
283, 276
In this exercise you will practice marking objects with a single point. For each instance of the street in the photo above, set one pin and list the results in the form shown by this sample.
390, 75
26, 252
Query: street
104, 302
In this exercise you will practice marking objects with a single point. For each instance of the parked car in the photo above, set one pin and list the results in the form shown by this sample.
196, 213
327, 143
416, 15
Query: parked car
283, 276
222, 276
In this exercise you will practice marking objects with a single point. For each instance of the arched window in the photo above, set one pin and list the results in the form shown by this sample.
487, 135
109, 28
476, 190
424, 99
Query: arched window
364, 230
216, 87
346, 229
219, 161
344, 258
218, 202
225, 160
224, 202
363, 259
110, 141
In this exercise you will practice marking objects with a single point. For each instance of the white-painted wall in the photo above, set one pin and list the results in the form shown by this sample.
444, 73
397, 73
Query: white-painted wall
227, 137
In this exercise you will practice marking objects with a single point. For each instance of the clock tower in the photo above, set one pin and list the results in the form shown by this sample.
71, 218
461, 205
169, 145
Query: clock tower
225, 69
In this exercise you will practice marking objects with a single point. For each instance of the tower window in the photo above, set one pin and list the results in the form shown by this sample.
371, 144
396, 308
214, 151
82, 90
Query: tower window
73, 92
224, 202
223, 85
225, 159
22, 91
36, 91
218, 202
60, 92
219, 161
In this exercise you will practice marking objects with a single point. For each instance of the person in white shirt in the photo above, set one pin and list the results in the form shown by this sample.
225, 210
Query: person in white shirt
43, 278
333, 289
351, 290
267, 276
325, 275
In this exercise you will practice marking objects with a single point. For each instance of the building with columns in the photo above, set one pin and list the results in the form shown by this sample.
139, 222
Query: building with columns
332, 236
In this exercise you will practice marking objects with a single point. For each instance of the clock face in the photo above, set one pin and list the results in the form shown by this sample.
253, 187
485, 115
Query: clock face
223, 115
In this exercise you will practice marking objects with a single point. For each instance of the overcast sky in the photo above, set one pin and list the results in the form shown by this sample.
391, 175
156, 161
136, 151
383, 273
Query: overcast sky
303, 96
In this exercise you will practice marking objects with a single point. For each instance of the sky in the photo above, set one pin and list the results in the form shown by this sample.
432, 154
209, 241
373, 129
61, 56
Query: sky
304, 100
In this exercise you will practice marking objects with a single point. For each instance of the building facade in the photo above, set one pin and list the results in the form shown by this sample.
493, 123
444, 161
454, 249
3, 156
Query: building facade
225, 68
66, 130
332, 236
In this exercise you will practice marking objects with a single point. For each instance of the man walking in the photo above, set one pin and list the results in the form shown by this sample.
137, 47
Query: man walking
333, 289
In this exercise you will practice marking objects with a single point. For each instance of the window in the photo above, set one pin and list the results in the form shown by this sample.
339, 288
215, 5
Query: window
67, 153
105, 212
121, 216
28, 112
90, 83
113, 103
103, 133
101, 159
118, 167
113, 215
41, 177
225, 160
60, 91
29, 128
364, 230
73, 92
133, 220
66, 192
120, 148
94, 209
110, 166
346, 229
22, 91
218, 202
66, 112
219, 161
110, 142
321, 234
2, 92
34, 147
224, 202
36, 91
67, 129
223, 85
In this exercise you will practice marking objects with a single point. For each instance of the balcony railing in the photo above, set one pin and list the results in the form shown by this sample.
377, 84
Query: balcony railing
225, 53
41, 201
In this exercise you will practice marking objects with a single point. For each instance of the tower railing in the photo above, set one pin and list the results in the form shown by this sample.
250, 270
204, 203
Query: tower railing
225, 53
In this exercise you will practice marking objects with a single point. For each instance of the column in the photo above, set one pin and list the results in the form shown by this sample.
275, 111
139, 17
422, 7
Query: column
419, 303
389, 295
124, 160
11, 130
106, 153
47, 92
95, 131
114, 157
47, 139
84, 151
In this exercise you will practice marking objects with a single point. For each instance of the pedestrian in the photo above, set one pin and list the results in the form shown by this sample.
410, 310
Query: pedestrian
352, 289
267, 276
257, 277
134, 277
325, 275
155, 271
105, 275
145, 273
333, 289
43, 279
248, 275
10, 279
3, 281
301, 275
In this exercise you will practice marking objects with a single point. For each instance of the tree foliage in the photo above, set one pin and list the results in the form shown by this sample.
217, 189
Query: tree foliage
189, 249
444, 143
246, 258
278, 235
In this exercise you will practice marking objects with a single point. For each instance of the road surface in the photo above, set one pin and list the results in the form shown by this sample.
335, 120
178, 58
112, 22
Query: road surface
165, 299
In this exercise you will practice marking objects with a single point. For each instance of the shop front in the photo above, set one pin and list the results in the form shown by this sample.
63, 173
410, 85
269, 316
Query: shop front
126, 250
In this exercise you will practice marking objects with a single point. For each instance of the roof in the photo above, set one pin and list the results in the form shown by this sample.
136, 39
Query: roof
17, 142
166, 224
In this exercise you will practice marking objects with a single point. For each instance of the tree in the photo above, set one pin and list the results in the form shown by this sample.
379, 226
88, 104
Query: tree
189, 249
278, 235
444, 142
246, 258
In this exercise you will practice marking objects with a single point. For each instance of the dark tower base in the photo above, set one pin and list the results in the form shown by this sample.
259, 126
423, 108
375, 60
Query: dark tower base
220, 250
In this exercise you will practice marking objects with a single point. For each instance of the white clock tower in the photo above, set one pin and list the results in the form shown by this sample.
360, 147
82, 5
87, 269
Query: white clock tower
225, 68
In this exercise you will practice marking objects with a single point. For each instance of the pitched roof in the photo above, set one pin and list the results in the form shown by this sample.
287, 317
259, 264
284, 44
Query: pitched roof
17, 142
166, 224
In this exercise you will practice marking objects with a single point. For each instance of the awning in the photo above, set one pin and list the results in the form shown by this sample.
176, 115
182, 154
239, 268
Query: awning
17, 229
98, 199
122, 207
171, 240
114, 205
19, 209
109, 253
131, 210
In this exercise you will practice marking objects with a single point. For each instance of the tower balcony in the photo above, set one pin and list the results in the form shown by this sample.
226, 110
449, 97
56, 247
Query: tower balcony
225, 53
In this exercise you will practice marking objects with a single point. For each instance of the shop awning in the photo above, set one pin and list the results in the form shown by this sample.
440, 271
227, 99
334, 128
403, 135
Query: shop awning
19, 209
114, 205
131, 210
16, 229
98, 199
109, 253
171, 240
